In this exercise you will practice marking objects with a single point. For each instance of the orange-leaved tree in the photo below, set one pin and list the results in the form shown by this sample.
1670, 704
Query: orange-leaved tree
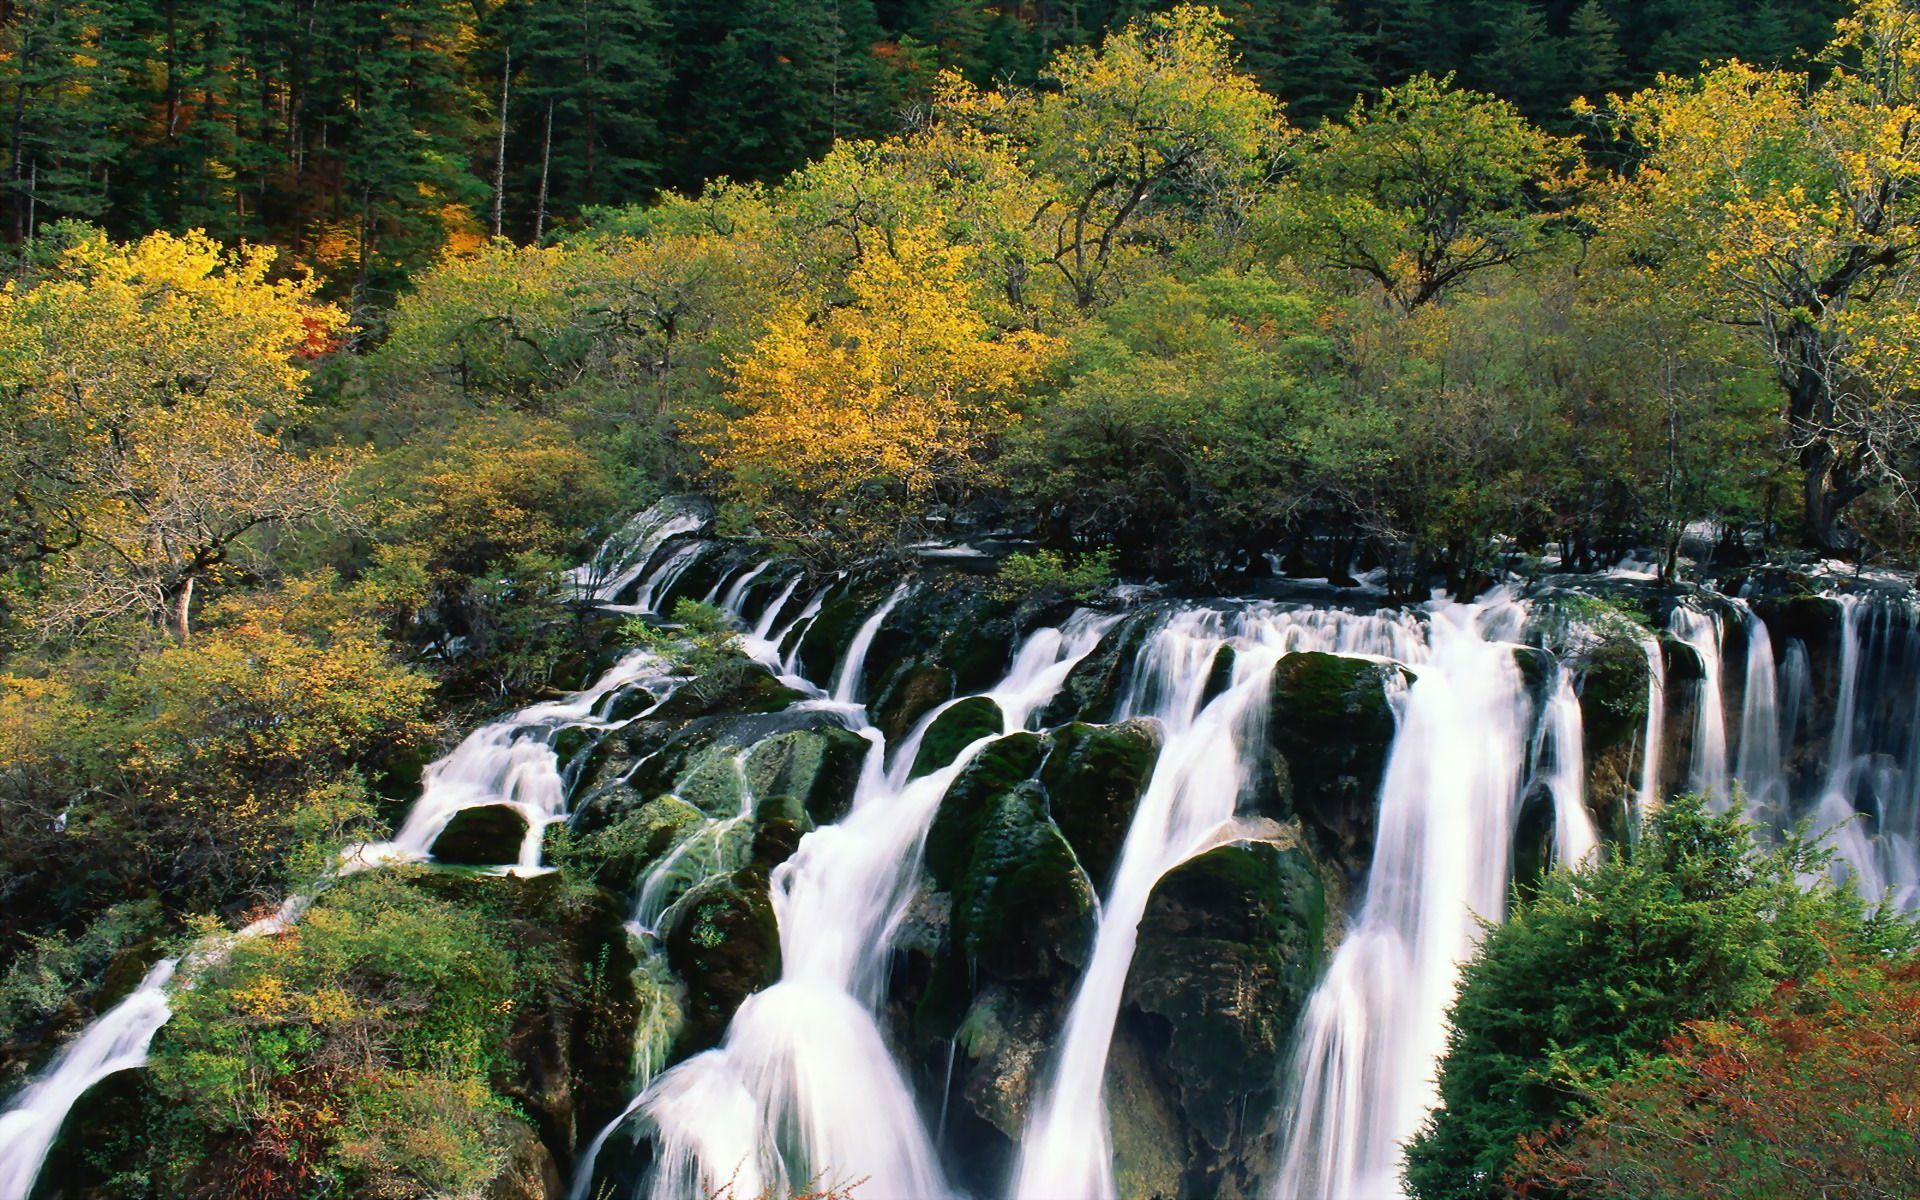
847, 424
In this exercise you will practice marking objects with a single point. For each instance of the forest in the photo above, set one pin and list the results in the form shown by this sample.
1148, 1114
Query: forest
337, 334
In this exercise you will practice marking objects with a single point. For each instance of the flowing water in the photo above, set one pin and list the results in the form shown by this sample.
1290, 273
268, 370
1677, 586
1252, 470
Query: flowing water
1363, 1078
117, 1041
806, 1080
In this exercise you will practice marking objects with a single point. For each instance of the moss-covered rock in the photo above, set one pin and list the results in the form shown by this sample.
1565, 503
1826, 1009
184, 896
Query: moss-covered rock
963, 811
714, 783
947, 634
1093, 688
618, 856
1147, 1141
724, 944
484, 836
1330, 727
809, 774
1024, 909
961, 725
1095, 776
1613, 693
1229, 948
740, 686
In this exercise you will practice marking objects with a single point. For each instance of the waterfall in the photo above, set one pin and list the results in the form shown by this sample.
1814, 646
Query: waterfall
626, 555
847, 683
1208, 749
1564, 740
1707, 771
803, 1082
1647, 797
1363, 1074
1761, 761
116, 1041
1835, 813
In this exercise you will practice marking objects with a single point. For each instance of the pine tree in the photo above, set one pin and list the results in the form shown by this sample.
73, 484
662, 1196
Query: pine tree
1591, 50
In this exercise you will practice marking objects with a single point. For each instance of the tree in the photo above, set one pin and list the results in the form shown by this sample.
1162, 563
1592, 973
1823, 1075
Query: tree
849, 426
1423, 189
1607, 964
147, 385
1813, 1093
1158, 120
1792, 209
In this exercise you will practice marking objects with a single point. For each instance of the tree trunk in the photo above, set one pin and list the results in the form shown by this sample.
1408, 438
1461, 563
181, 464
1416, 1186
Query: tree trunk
180, 610
546, 158
500, 147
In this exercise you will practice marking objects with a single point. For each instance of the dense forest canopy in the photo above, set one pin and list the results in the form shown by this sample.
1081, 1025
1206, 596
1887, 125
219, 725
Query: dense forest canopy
335, 331
367, 136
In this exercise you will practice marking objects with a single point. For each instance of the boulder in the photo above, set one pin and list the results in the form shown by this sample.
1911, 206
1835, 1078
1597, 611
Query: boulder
961, 725
1095, 776
1229, 948
724, 944
1023, 910
963, 811
487, 835
1093, 688
1330, 728
809, 774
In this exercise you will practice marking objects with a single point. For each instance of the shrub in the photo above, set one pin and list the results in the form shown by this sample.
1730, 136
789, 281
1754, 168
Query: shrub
1605, 965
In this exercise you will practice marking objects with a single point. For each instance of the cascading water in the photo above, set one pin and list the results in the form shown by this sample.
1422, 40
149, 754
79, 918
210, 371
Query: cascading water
1209, 747
1761, 764
1700, 631
626, 556
1646, 797
509, 762
1363, 1074
1564, 742
117, 1041
804, 1082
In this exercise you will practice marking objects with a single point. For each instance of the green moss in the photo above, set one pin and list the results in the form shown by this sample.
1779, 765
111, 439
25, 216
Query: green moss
487, 835
1095, 776
1024, 905
961, 725
963, 811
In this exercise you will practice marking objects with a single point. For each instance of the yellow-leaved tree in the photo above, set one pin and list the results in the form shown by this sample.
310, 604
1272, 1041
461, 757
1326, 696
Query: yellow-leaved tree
848, 424
145, 387
1792, 209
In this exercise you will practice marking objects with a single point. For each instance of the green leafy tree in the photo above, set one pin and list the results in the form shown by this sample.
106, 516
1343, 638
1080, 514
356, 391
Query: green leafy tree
1424, 189
1605, 965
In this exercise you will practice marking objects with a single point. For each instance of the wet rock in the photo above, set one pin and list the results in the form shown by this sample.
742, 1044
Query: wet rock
1532, 849
1330, 729
1024, 909
917, 690
963, 811
1095, 776
1145, 1128
1093, 688
833, 629
809, 774
1006, 1043
724, 944
619, 855
1613, 683
740, 686
946, 626
485, 836
954, 730
1219, 675
1229, 948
